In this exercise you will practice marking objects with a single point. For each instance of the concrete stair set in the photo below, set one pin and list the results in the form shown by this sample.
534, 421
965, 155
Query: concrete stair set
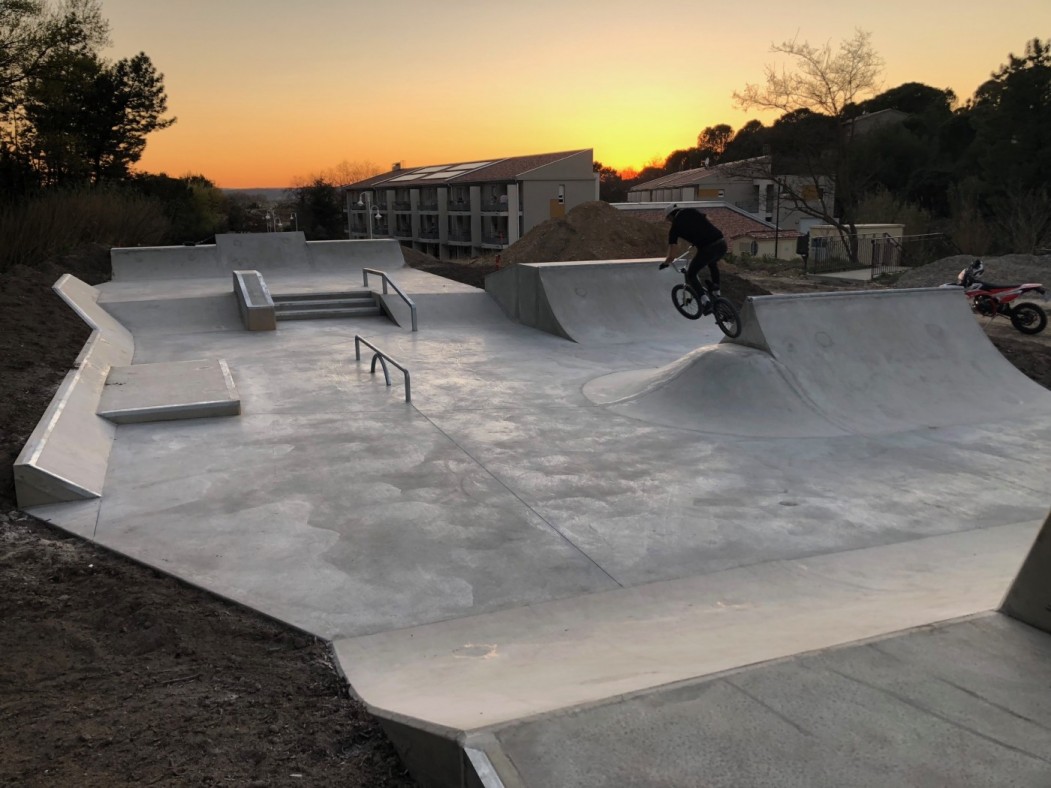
313, 306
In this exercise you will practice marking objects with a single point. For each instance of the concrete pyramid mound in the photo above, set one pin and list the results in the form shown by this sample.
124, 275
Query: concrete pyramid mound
827, 364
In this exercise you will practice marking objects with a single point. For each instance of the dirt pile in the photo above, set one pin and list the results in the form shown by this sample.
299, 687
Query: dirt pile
591, 231
1009, 268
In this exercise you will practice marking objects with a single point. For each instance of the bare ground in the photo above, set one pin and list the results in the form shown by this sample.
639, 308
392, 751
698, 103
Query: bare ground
117, 675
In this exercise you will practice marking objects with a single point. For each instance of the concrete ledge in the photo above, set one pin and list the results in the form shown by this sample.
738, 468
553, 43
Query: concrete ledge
66, 456
1029, 599
473, 672
254, 301
169, 391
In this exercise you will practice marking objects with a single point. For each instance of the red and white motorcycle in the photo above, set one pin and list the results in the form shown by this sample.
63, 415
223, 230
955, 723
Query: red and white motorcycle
991, 300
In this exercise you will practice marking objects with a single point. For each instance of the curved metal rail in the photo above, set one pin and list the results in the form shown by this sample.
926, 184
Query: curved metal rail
386, 279
383, 358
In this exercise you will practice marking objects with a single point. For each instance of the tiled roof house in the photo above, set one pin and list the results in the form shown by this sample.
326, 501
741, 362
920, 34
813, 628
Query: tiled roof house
742, 185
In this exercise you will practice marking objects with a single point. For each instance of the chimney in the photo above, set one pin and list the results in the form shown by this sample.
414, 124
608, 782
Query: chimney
395, 166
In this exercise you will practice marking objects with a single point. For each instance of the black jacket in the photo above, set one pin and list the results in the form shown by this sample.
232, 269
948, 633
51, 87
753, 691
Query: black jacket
693, 226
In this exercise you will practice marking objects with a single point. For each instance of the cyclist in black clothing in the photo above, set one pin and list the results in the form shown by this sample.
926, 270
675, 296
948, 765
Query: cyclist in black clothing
693, 226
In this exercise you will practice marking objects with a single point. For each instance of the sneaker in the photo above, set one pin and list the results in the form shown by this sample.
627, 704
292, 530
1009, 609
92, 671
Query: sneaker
706, 305
715, 292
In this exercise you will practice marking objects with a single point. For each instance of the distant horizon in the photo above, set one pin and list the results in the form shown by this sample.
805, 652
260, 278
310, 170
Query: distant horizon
327, 103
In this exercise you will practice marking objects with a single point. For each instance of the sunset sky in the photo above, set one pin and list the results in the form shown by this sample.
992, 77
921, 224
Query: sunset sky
269, 92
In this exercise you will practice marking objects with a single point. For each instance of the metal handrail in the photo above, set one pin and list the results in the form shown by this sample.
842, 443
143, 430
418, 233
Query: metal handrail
412, 306
383, 359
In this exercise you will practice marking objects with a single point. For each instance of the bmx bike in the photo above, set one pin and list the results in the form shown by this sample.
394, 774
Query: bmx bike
694, 305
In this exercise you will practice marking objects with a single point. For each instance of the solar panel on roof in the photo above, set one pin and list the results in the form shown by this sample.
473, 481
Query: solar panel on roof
405, 178
431, 169
435, 175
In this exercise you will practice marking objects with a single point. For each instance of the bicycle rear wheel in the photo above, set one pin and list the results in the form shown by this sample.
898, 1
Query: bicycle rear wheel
727, 318
686, 301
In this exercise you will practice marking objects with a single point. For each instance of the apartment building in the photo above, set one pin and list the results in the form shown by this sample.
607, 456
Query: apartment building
467, 209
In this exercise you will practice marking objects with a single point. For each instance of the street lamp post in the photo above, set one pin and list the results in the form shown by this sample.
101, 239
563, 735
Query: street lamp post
365, 201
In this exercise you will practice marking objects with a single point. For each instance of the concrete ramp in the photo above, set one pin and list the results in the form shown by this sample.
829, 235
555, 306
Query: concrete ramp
891, 360
821, 365
1029, 599
593, 302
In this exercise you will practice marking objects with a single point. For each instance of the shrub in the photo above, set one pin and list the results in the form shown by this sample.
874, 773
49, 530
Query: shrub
57, 222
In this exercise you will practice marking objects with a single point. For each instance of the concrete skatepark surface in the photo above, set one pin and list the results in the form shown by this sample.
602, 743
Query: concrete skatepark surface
513, 544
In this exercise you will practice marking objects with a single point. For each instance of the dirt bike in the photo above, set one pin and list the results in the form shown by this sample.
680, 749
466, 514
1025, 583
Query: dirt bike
990, 300
694, 305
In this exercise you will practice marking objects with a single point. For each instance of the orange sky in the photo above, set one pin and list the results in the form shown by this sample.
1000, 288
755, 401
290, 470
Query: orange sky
268, 92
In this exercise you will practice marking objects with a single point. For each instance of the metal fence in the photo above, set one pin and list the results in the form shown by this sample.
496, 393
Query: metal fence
880, 255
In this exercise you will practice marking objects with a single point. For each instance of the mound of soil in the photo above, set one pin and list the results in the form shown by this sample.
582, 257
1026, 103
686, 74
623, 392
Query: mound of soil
1009, 268
591, 231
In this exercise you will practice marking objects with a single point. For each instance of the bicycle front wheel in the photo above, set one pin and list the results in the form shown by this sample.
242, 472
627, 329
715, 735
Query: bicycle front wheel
727, 318
686, 301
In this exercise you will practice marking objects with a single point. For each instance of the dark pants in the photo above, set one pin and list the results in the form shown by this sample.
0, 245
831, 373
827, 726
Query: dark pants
707, 256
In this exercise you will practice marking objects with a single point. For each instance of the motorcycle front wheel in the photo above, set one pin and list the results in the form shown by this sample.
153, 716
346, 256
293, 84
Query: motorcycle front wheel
1028, 318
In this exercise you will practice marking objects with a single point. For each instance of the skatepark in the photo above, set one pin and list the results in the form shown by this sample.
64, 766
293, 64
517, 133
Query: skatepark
598, 545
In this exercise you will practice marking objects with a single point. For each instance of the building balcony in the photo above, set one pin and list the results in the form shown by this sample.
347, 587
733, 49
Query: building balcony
459, 206
403, 233
402, 205
428, 235
459, 238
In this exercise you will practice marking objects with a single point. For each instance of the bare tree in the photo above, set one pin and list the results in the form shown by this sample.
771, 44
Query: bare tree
1024, 219
347, 172
816, 94
822, 81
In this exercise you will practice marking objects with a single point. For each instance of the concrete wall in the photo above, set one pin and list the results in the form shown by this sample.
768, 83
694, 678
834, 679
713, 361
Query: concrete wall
578, 182
66, 456
267, 253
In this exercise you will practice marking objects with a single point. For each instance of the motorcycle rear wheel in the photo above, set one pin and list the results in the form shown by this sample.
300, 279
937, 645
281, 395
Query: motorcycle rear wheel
1028, 318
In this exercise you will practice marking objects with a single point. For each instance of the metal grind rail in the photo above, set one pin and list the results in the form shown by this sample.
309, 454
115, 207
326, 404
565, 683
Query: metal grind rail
386, 279
383, 358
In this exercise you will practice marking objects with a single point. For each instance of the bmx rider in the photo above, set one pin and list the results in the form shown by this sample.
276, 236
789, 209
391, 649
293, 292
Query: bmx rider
693, 226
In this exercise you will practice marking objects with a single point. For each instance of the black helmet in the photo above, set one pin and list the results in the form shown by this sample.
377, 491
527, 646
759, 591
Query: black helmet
670, 211
977, 269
